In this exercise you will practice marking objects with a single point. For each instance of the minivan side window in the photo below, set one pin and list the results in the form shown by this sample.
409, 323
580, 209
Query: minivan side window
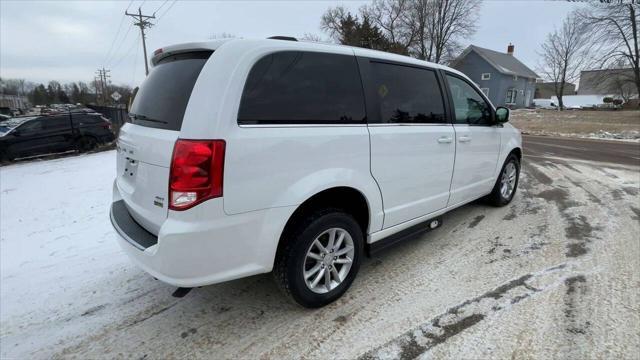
407, 94
298, 87
469, 106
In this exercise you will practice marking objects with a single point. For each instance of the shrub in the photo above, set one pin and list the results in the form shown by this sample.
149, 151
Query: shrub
607, 100
617, 102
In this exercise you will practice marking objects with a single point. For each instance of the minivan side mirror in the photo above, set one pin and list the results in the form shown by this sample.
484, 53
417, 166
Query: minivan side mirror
502, 115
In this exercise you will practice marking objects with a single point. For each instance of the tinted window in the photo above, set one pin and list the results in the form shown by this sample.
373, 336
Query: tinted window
31, 126
407, 94
57, 123
163, 96
303, 87
469, 106
86, 119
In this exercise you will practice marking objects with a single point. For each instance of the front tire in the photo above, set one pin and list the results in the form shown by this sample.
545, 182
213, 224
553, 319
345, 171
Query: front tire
320, 259
505, 188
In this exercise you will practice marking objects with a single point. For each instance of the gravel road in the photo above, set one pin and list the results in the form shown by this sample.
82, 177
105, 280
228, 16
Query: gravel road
554, 275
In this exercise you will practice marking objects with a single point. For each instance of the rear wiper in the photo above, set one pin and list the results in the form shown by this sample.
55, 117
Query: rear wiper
145, 118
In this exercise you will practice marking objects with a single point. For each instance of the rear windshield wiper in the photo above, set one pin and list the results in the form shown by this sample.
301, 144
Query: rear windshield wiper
145, 118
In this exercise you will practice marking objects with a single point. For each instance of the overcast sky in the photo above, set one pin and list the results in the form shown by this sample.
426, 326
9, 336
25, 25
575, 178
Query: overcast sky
68, 40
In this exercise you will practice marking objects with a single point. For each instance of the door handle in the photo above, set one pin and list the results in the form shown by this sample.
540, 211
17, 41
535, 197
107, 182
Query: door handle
445, 140
464, 138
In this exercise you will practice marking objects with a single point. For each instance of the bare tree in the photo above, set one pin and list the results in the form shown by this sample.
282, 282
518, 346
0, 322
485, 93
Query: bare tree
426, 29
439, 25
331, 22
613, 26
393, 17
564, 54
222, 35
312, 37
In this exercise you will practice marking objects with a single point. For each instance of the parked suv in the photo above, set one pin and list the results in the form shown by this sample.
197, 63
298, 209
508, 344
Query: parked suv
35, 135
250, 156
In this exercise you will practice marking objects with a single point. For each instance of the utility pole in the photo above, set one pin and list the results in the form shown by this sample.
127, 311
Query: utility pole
143, 23
105, 81
102, 76
95, 85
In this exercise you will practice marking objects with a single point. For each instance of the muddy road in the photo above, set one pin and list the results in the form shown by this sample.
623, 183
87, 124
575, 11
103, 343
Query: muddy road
554, 275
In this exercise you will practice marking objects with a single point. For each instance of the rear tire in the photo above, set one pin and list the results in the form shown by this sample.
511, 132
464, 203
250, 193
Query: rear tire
86, 143
507, 183
320, 258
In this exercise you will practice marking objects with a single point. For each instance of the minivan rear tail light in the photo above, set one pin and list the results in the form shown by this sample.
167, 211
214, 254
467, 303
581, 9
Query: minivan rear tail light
196, 172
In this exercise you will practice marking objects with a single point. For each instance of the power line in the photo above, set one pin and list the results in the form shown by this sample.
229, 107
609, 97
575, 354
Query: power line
166, 11
127, 53
128, 6
119, 46
161, 6
135, 65
114, 40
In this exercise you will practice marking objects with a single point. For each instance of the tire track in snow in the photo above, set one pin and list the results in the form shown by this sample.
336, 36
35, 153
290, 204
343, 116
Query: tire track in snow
461, 317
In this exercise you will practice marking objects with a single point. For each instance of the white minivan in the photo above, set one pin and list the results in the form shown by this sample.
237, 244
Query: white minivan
250, 156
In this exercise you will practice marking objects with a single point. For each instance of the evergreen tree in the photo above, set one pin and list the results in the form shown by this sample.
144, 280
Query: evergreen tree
76, 96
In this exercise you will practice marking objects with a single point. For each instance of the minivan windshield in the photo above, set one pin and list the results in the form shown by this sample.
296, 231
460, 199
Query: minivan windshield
163, 96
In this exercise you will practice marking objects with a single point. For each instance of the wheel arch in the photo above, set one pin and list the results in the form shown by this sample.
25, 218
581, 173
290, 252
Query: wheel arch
517, 151
349, 199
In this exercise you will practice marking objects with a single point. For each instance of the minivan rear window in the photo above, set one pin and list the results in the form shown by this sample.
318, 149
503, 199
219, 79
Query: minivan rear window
298, 87
163, 96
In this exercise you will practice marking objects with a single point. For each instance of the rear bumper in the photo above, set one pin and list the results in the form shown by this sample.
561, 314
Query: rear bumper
129, 229
202, 245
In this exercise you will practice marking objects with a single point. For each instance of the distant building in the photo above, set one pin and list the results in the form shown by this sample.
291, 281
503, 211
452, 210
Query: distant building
14, 103
608, 82
502, 77
545, 90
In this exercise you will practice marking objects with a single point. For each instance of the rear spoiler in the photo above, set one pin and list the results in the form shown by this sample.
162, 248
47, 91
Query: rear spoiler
163, 52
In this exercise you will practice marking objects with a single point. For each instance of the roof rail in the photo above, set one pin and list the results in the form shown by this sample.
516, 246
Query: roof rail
287, 38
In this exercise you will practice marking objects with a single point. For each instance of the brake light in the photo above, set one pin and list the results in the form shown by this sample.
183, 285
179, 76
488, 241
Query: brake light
196, 172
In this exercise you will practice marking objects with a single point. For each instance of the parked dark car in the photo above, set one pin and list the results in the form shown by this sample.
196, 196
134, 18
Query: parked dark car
35, 135
6, 111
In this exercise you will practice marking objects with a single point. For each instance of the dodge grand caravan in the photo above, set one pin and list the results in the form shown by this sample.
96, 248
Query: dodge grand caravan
250, 156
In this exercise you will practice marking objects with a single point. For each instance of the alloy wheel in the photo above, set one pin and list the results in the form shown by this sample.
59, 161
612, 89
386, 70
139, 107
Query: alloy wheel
508, 180
328, 260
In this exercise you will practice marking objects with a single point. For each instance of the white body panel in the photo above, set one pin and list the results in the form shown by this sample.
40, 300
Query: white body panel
270, 170
477, 150
412, 165
206, 246
144, 156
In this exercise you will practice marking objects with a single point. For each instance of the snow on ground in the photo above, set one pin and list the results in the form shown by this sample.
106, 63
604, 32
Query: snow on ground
553, 275
56, 242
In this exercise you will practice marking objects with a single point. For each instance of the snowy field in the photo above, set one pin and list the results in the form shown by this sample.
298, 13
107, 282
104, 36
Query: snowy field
623, 125
554, 275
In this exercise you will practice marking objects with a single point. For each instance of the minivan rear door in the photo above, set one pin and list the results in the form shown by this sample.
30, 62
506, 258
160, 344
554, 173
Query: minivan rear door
145, 144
